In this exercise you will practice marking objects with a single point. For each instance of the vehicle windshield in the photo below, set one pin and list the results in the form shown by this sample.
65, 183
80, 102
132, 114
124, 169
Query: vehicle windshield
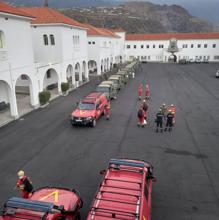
116, 81
103, 89
86, 106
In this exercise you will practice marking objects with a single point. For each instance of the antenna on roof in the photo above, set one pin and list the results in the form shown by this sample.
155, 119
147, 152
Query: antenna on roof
46, 3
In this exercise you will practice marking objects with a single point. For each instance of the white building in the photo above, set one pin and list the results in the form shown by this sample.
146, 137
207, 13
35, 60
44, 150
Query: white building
60, 49
154, 47
18, 82
104, 49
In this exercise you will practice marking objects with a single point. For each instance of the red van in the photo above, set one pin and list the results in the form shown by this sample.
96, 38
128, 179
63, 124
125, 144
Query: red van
89, 109
125, 192
48, 203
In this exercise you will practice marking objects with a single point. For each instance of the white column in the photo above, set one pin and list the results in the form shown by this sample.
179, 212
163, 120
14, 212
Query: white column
13, 103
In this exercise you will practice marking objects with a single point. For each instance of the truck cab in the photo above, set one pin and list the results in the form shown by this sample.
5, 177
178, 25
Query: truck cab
125, 191
47, 203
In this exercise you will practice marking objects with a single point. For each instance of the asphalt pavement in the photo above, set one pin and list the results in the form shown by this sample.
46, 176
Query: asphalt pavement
186, 160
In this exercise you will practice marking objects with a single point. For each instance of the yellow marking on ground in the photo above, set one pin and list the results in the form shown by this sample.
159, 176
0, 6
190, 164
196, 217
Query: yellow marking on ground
55, 194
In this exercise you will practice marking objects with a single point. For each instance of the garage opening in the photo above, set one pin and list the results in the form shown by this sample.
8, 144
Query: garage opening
23, 90
50, 82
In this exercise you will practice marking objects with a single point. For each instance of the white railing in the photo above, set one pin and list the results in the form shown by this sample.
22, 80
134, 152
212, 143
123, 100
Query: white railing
3, 55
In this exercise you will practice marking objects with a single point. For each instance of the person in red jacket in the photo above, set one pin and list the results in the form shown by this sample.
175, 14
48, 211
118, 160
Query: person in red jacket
24, 184
140, 90
147, 92
107, 111
172, 108
145, 108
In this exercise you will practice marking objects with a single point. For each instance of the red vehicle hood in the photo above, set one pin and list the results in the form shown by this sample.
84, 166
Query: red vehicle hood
83, 113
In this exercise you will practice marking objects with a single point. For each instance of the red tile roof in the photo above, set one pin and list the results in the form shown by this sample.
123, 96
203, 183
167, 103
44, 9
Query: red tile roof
168, 36
118, 30
94, 31
45, 15
6, 8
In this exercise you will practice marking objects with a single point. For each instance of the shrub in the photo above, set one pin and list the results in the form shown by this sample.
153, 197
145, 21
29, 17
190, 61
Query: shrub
64, 87
44, 97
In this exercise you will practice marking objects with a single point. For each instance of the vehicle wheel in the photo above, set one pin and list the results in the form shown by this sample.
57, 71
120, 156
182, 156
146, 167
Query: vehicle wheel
94, 122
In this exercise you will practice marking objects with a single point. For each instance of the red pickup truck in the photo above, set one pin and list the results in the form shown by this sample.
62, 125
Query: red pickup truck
89, 110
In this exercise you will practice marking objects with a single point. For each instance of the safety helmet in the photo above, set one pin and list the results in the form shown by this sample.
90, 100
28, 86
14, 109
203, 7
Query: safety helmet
172, 105
169, 110
144, 100
163, 104
20, 174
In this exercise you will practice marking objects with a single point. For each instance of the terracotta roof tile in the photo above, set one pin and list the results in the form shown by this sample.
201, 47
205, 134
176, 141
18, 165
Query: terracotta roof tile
168, 36
45, 15
118, 30
94, 31
6, 8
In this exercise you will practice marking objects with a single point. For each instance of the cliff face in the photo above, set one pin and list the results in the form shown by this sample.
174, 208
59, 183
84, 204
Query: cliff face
142, 17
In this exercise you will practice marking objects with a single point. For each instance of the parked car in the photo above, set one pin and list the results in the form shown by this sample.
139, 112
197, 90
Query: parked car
217, 74
125, 192
48, 203
182, 61
124, 76
89, 110
197, 60
117, 81
108, 88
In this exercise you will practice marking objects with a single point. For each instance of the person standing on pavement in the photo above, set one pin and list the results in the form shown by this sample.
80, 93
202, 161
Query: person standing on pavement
169, 123
141, 117
173, 110
159, 121
24, 184
140, 90
164, 110
145, 109
147, 92
107, 110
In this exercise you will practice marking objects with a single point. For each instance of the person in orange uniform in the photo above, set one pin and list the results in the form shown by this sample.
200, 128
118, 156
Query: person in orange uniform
147, 92
141, 117
140, 90
24, 184
173, 110
107, 111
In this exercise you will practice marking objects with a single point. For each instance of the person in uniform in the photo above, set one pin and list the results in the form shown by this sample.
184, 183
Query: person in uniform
169, 123
173, 110
164, 110
145, 108
107, 110
141, 117
159, 120
24, 184
147, 92
140, 90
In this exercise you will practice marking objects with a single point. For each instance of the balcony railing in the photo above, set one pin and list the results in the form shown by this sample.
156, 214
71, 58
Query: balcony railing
3, 55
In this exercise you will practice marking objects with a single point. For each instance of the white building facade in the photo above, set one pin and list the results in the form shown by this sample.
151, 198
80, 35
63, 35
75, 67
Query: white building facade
154, 47
17, 73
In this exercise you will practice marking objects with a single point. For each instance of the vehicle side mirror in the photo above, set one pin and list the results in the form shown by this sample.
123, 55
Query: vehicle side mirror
102, 172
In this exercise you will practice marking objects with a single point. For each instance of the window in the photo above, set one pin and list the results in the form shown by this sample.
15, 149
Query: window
142, 46
154, 46
216, 57
199, 45
128, 46
185, 46
89, 42
149, 57
160, 46
214, 45
148, 46
205, 45
52, 39
1, 40
24, 77
93, 42
45, 38
135, 46
192, 45
48, 74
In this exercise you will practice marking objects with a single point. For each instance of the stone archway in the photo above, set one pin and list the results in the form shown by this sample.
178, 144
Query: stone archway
24, 94
84, 72
51, 82
78, 77
6, 106
92, 67
69, 75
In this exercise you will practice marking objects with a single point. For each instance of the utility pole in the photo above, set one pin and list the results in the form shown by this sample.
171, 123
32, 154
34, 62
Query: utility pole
46, 3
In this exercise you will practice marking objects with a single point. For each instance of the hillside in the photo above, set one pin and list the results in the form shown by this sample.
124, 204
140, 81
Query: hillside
141, 17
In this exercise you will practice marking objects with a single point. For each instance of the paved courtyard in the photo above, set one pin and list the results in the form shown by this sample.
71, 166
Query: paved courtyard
185, 161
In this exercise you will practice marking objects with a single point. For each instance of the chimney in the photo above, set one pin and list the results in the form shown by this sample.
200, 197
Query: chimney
46, 3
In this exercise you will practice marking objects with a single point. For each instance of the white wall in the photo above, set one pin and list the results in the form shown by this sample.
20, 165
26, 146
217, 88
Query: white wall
160, 54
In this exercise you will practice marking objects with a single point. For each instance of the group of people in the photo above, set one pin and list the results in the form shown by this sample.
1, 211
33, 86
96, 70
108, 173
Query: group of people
165, 117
